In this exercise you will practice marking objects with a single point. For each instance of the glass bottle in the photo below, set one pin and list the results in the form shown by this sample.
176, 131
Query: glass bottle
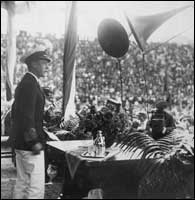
100, 145
91, 143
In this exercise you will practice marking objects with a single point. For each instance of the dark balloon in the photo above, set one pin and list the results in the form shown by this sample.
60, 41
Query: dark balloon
113, 38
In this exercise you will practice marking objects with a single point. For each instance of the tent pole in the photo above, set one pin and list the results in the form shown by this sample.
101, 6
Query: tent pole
145, 83
121, 81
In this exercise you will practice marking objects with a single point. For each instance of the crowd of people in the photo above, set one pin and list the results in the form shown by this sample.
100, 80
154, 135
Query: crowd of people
169, 68
166, 74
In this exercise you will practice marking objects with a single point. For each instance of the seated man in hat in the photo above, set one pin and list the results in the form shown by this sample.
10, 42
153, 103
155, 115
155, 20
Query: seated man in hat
27, 132
161, 123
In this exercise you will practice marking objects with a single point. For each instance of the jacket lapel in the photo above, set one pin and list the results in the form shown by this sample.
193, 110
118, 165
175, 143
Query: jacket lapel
38, 85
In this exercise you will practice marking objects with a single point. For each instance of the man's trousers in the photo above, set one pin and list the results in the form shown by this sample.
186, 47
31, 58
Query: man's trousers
30, 183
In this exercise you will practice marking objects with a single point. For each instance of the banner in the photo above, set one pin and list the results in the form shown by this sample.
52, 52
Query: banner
68, 104
11, 47
12, 9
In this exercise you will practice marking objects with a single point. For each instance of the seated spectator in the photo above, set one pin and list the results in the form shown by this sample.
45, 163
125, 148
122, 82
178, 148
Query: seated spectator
161, 123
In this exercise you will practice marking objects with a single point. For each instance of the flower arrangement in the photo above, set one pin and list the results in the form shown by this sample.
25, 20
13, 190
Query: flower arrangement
110, 122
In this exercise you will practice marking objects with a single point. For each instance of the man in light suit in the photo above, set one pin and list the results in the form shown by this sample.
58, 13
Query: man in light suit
29, 138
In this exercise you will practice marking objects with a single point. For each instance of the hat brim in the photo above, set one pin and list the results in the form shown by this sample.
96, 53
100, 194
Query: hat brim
45, 58
28, 59
38, 55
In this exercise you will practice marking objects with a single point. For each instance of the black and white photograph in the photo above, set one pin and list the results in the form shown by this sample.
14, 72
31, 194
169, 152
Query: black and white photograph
97, 99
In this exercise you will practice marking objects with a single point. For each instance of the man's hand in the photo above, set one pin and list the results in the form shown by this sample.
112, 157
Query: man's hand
37, 148
30, 135
164, 130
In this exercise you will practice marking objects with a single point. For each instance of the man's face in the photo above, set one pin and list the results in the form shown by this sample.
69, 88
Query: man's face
41, 67
142, 118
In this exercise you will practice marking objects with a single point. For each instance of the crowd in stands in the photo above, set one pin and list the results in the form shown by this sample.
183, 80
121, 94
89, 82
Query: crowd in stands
168, 68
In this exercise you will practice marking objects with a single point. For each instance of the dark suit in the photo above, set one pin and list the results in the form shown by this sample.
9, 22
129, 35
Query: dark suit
27, 112
159, 120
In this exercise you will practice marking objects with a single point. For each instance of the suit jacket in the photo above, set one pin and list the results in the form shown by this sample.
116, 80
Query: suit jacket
27, 113
161, 119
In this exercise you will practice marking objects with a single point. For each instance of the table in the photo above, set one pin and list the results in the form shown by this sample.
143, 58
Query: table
116, 175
